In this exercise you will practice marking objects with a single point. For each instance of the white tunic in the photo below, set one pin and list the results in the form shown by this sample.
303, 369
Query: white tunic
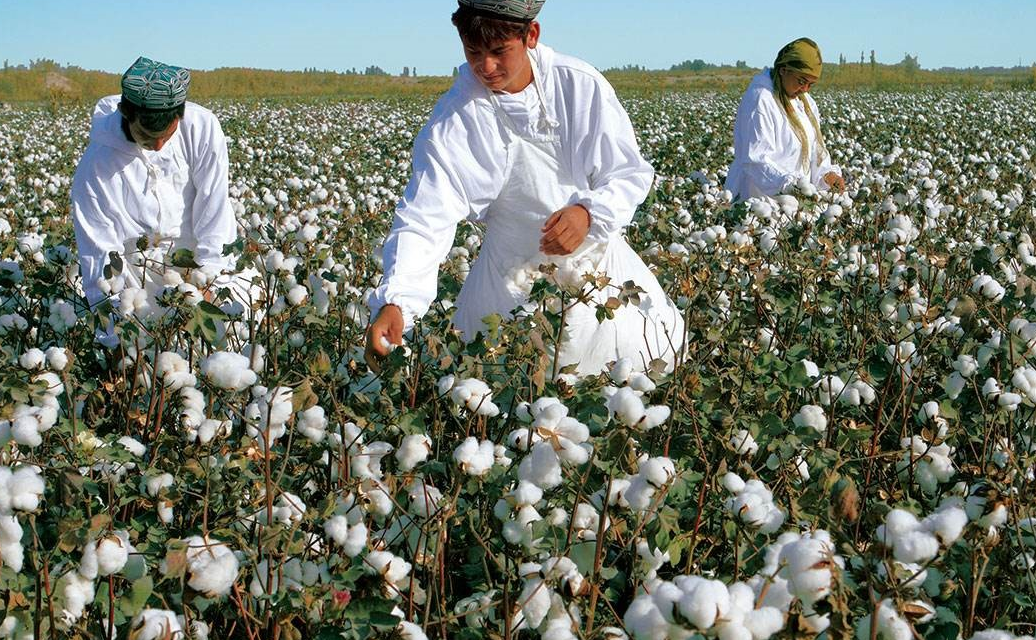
177, 196
461, 161
766, 149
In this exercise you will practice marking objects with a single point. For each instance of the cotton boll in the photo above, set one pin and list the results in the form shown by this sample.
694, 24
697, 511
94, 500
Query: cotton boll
212, 565
733, 483
424, 499
21, 489
743, 443
57, 358
351, 537
626, 406
77, 592
541, 466
621, 371
884, 624
228, 371
155, 484
947, 524
11, 552
645, 621
703, 601
112, 553
156, 624
32, 359
393, 569
535, 603
312, 424
475, 458
412, 451
811, 416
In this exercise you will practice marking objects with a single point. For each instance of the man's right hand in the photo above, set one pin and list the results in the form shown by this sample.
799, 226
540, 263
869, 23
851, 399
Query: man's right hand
384, 332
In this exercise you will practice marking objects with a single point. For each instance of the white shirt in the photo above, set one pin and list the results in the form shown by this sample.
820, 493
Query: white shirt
766, 149
122, 191
460, 159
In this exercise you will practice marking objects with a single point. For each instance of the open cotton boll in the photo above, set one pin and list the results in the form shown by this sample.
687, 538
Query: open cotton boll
11, 552
312, 424
411, 631
57, 358
997, 634
534, 603
77, 592
884, 624
366, 461
946, 524
626, 406
32, 359
228, 370
112, 553
541, 466
393, 569
212, 565
645, 621
132, 445
20, 489
806, 565
155, 484
475, 458
412, 451
351, 537
472, 394
424, 499
811, 416
830, 388
702, 601
174, 371
754, 505
621, 371
156, 624
743, 443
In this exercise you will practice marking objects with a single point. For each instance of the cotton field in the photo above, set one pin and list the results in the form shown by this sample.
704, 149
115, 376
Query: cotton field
846, 448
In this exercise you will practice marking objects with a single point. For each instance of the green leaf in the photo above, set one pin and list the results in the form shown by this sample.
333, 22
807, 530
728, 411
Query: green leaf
184, 259
134, 601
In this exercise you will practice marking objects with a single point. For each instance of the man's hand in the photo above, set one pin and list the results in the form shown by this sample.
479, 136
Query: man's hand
835, 182
387, 330
565, 230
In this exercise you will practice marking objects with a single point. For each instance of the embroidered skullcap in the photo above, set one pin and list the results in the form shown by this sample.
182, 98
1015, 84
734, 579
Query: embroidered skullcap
153, 85
509, 10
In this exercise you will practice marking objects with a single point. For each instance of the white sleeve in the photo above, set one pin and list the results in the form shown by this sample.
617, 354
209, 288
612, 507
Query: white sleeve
425, 223
94, 230
212, 217
826, 166
757, 143
604, 146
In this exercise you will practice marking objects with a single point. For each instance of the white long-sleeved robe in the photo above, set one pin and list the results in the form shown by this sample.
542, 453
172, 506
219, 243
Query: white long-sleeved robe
460, 159
766, 149
122, 191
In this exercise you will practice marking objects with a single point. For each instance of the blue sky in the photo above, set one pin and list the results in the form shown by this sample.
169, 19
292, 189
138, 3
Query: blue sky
342, 34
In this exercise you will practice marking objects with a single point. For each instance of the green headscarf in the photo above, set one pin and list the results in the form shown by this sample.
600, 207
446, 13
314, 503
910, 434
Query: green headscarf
802, 55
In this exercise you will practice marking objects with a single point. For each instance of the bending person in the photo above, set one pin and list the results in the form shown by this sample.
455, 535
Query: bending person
536, 145
777, 138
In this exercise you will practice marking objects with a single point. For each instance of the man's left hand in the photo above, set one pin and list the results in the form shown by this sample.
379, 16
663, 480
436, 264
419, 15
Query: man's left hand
565, 230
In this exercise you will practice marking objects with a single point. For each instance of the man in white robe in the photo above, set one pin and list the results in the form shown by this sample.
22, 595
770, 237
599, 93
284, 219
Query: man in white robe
537, 145
155, 168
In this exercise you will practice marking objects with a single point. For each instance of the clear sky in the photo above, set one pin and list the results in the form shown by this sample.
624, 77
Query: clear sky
327, 34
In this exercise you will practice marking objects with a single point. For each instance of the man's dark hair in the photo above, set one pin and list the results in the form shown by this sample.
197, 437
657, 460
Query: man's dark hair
152, 120
482, 31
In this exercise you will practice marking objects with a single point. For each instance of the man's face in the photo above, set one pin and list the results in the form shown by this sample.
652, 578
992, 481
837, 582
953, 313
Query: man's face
796, 82
149, 139
503, 65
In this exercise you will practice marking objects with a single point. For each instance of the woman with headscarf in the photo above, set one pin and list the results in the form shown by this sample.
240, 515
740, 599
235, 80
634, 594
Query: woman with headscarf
777, 138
